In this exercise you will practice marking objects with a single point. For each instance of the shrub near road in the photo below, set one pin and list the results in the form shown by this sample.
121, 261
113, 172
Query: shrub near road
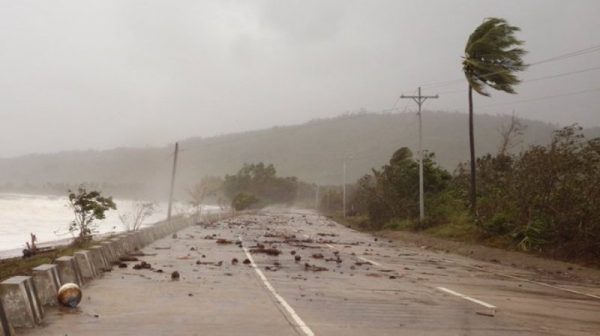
545, 199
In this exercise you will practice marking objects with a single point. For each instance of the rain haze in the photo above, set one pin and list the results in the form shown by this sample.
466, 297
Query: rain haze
300, 167
105, 74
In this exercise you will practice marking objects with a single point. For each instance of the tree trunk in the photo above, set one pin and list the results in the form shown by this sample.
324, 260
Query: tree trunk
473, 193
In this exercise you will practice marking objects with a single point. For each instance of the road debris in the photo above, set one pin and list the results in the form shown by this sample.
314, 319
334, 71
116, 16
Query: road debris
69, 295
314, 268
142, 265
268, 251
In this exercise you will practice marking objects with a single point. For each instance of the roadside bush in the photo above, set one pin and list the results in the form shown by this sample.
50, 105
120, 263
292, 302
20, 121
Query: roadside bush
545, 199
392, 192
244, 201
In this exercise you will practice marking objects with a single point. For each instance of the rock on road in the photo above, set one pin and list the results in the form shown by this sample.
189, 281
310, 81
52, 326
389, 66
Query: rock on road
327, 280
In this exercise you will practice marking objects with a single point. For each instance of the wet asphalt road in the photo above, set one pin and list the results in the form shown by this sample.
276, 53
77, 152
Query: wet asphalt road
345, 283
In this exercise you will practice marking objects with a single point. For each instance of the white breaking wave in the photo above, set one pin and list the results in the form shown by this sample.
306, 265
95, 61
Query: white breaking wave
48, 217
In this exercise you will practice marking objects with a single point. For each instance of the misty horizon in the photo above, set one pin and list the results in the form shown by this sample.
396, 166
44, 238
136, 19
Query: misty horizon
243, 132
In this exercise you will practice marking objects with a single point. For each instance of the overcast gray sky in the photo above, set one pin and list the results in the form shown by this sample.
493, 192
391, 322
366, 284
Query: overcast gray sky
101, 74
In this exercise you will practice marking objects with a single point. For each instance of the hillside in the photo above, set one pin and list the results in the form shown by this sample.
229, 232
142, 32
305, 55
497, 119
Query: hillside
312, 151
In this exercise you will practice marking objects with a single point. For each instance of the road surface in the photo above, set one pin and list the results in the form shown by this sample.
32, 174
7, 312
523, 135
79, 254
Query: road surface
345, 283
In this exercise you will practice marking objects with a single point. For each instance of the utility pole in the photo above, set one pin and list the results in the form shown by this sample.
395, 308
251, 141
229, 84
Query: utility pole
344, 188
317, 198
172, 182
420, 100
346, 157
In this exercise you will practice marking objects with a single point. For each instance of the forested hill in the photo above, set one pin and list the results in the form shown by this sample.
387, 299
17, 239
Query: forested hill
312, 151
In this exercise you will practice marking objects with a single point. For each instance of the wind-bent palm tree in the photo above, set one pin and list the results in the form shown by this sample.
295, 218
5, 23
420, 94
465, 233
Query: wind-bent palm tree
492, 57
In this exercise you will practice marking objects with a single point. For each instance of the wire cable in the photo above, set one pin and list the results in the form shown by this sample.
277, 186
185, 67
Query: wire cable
556, 58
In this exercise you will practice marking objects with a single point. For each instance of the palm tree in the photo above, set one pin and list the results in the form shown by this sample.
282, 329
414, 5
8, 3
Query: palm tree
492, 57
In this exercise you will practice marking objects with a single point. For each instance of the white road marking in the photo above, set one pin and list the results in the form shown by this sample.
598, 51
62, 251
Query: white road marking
299, 323
526, 280
371, 261
492, 308
550, 286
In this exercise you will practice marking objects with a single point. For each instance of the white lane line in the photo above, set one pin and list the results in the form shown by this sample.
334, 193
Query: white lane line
371, 261
550, 286
492, 308
526, 280
299, 323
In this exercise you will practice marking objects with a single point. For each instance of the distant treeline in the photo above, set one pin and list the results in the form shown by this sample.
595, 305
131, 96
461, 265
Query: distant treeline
255, 185
312, 152
544, 199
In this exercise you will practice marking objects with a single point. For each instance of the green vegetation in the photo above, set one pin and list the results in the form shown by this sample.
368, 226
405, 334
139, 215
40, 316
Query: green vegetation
492, 56
244, 201
545, 199
23, 266
87, 207
253, 186
258, 184
393, 191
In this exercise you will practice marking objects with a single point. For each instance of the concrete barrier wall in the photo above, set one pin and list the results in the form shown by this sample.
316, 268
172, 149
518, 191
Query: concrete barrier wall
47, 282
68, 270
84, 262
21, 303
22, 297
5, 327
99, 260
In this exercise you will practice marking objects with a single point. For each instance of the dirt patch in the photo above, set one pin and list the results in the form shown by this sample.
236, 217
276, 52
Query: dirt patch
546, 268
314, 268
327, 234
268, 251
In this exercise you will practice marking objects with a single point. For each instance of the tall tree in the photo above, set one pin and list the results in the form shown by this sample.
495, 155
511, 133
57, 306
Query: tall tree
493, 55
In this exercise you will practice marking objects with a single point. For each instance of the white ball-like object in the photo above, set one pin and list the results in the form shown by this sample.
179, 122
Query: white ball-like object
69, 295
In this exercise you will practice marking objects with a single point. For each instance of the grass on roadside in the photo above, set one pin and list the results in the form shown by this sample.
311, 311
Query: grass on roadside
22, 266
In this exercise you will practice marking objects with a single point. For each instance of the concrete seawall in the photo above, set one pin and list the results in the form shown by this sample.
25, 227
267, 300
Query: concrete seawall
22, 298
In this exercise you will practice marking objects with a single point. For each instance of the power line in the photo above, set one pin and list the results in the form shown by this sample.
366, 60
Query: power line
542, 98
534, 99
561, 57
580, 52
537, 98
563, 74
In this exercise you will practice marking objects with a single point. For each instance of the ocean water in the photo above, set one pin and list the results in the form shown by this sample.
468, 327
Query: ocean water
48, 217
